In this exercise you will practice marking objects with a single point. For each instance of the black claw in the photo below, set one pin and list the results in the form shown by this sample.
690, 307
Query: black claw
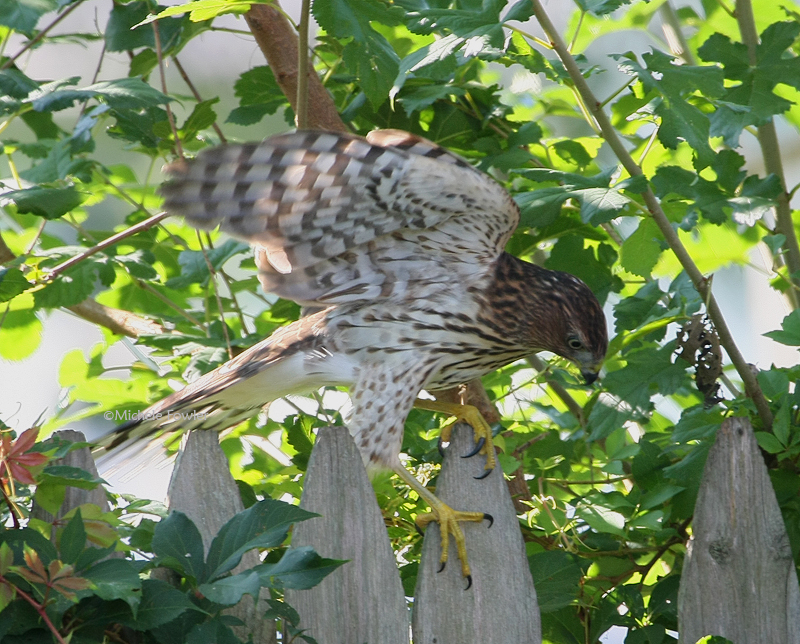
469, 582
483, 476
488, 517
440, 447
478, 447
421, 533
441, 567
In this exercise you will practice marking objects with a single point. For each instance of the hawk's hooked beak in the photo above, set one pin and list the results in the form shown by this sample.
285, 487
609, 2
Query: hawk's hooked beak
590, 375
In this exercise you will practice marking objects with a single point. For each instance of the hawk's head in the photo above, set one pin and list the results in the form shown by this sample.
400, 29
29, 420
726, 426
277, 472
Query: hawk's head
555, 312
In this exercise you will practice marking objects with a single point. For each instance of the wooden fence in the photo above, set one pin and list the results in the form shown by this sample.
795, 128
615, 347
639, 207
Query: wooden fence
738, 579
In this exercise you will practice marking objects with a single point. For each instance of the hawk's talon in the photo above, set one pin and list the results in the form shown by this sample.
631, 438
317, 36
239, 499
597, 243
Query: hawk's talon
447, 518
469, 583
488, 517
482, 476
441, 568
418, 529
482, 431
478, 447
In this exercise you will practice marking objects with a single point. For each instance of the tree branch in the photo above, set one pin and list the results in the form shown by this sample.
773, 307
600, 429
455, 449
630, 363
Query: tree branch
116, 320
278, 41
658, 215
771, 152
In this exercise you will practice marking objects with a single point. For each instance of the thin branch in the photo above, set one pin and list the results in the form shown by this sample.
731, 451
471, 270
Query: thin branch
35, 40
771, 152
558, 389
6, 254
170, 115
302, 67
213, 284
698, 279
109, 241
674, 34
39, 608
196, 95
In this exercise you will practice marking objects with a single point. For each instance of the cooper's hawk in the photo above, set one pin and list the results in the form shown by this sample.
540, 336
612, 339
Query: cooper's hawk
401, 244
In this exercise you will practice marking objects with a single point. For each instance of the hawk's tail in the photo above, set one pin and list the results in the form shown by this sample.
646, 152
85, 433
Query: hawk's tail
292, 360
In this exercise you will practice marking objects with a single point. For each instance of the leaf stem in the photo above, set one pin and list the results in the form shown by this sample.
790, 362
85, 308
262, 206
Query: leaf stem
39, 608
196, 95
700, 282
170, 115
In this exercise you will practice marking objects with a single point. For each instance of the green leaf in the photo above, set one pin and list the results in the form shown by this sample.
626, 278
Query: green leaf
368, 55
230, 590
202, 117
177, 543
50, 203
194, 265
20, 334
12, 283
213, 631
782, 424
201, 10
299, 568
73, 539
640, 251
116, 579
22, 15
769, 443
160, 603
602, 519
68, 289
754, 89
123, 34
264, 525
556, 577
790, 330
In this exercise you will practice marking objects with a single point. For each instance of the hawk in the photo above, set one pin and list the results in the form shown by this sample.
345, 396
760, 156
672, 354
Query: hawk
400, 243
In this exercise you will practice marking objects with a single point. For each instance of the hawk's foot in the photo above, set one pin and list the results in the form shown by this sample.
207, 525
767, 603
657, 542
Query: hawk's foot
482, 431
448, 520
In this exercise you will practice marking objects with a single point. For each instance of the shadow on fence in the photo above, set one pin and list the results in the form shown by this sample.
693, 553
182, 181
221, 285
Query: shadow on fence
738, 580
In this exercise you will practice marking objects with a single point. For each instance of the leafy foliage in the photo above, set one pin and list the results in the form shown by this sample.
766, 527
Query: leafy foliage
612, 472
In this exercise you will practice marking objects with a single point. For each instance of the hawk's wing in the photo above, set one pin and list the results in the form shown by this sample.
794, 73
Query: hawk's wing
338, 218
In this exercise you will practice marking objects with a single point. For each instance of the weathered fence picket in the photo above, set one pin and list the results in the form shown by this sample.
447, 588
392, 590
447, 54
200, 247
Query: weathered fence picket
501, 606
74, 496
203, 489
738, 578
363, 600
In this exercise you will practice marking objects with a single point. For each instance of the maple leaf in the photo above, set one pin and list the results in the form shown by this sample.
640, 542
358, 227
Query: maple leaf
16, 463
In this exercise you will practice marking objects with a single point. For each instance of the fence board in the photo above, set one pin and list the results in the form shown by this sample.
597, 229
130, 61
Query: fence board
74, 496
204, 490
738, 578
501, 606
363, 600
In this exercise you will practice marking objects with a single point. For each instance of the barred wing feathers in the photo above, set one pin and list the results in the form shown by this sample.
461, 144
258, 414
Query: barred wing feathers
337, 218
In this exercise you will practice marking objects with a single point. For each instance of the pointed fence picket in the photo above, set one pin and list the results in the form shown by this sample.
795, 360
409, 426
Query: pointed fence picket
738, 579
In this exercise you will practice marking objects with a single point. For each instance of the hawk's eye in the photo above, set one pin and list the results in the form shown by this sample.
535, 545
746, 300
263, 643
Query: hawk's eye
574, 343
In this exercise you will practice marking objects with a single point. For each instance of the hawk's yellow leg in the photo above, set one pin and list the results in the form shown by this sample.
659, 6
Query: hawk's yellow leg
448, 520
467, 414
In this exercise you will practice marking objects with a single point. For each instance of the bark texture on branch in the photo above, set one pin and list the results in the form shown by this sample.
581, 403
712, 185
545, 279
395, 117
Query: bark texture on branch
278, 41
